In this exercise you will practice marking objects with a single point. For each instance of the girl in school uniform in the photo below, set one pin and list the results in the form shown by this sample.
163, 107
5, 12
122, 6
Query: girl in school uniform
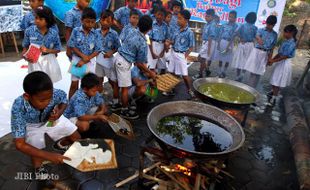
42, 35
246, 34
282, 72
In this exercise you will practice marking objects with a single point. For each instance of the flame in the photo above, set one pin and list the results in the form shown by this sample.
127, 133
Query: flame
183, 169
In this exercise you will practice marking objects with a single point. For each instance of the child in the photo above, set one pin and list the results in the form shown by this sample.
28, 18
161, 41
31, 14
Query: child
282, 73
266, 39
176, 8
133, 50
122, 14
85, 46
43, 35
226, 43
86, 104
246, 34
133, 22
209, 35
109, 43
167, 43
183, 44
158, 36
30, 114
73, 20
155, 5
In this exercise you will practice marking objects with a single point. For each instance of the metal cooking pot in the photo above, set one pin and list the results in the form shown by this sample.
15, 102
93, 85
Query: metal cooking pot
200, 110
197, 83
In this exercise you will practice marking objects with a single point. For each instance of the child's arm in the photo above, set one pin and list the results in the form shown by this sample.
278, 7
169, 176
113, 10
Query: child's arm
154, 56
47, 51
188, 51
57, 112
68, 33
277, 58
89, 117
139, 82
26, 148
147, 71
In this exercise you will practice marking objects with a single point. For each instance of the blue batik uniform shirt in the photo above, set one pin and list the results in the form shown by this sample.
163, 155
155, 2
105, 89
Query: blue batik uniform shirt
108, 42
122, 15
228, 31
28, 20
33, 36
183, 40
287, 48
269, 39
247, 32
86, 43
134, 49
126, 31
80, 104
210, 31
173, 25
137, 73
73, 18
159, 32
22, 113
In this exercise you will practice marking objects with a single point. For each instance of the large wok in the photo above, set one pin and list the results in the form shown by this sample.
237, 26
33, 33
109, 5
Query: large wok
201, 110
197, 83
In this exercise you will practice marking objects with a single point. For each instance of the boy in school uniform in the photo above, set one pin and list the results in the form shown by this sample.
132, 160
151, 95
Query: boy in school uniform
176, 8
225, 44
266, 39
209, 37
85, 46
122, 14
73, 20
158, 36
133, 23
133, 50
183, 43
109, 43
87, 104
31, 116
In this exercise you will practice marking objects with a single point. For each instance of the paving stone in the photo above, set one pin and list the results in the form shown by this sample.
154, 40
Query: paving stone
108, 175
15, 185
254, 185
10, 157
9, 172
131, 150
126, 172
259, 176
241, 163
1, 181
61, 170
83, 176
123, 161
92, 185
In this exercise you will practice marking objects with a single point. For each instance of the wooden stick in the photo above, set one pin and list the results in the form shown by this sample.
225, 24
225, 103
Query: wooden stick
175, 180
15, 43
197, 182
123, 182
1, 44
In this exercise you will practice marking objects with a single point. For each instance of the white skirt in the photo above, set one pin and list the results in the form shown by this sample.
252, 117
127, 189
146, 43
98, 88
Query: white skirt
178, 64
48, 64
156, 63
241, 55
224, 57
282, 73
257, 62
204, 50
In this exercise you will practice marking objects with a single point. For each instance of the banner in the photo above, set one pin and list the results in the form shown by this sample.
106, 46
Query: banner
10, 15
263, 8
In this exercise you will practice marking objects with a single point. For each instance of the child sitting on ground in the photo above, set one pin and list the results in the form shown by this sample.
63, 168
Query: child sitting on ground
38, 111
86, 105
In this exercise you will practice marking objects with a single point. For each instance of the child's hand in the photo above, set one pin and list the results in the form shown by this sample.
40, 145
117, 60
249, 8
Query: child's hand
103, 118
260, 41
55, 115
43, 49
154, 56
108, 54
57, 158
80, 63
162, 54
85, 58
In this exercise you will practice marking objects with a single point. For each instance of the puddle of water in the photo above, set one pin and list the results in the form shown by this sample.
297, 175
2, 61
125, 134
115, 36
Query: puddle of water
265, 153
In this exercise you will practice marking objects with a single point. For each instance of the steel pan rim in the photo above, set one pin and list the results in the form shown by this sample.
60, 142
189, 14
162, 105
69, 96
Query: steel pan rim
194, 152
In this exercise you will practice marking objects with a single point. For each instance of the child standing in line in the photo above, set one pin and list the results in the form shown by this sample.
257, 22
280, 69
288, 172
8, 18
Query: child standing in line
73, 20
133, 23
43, 35
176, 8
133, 50
109, 43
246, 34
30, 114
87, 105
85, 46
266, 39
167, 43
122, 14
282, 73
209, 35
183, 43
158, 36
226, 43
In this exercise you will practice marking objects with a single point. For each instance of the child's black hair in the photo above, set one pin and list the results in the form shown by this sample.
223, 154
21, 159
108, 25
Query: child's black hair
37, 82
291, 29
107, 13
155, 6
185, 14
89, 81
210, 12
168, 13
134, 0
272, 20
47, 14
134, 12
233, 13
145, 23
251, 17
160, 9
176, 3
89, 13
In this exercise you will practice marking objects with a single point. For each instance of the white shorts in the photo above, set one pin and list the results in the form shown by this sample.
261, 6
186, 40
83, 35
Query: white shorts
122, 71
92, 111
35, 132
241, 55
102, 71
178, 64
224, 57
204, 50
257, 61
156, 63
282, 73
